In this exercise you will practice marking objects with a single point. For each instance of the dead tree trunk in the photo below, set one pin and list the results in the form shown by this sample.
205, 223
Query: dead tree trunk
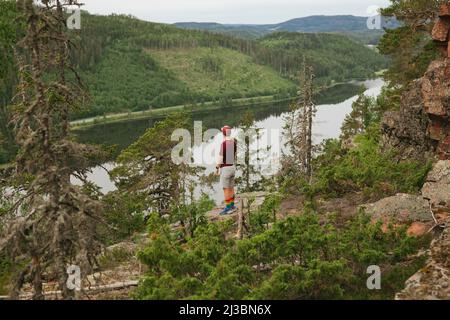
299, 125
58, 227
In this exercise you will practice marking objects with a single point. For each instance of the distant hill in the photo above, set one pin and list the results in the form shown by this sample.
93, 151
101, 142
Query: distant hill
324, 24
353, 26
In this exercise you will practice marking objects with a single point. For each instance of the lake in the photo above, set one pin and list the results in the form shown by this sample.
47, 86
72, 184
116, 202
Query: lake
332, 107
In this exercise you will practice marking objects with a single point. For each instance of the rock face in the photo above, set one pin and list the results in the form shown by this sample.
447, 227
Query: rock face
437, 188
422, 124
435, 89
436, 95
441, 30
431, 282
406, 130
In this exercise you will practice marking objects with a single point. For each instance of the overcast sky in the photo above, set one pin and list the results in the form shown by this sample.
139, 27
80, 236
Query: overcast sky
230, 11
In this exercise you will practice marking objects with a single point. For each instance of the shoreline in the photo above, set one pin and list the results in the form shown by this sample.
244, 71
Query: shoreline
157, 113
163, 112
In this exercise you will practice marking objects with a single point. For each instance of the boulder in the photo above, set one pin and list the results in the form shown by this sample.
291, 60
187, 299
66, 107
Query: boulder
419, 212
437, 187
400, 209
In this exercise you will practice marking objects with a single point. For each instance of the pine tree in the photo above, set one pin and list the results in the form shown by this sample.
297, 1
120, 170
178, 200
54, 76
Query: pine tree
252, 175
361, 116
410, 47
10, 27
147, 167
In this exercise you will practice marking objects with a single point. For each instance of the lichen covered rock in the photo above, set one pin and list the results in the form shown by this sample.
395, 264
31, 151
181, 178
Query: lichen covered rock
401, 208
406, 130
436, 88
422, 124
431, 282
437, 187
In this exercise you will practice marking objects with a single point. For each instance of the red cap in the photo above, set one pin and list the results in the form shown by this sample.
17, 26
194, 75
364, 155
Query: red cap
226, 130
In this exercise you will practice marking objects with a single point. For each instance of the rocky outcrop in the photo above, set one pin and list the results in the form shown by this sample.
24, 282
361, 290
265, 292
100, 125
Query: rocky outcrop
433, 281
403, 209
419, 212
422, 124
406, 130
424, 213
441, 30
436, 97
437, 188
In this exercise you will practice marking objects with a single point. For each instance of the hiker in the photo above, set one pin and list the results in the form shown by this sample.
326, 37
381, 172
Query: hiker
226, 164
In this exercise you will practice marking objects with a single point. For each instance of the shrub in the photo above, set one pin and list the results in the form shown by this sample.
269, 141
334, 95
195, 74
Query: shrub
365, 168
301, 257
124, 213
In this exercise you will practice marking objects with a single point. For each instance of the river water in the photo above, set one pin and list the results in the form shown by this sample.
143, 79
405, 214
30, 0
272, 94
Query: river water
332, 107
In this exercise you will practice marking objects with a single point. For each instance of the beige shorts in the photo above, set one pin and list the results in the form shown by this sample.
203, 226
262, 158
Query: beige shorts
227, 175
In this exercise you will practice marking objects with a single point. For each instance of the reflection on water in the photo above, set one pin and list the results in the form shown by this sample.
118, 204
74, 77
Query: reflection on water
332, 107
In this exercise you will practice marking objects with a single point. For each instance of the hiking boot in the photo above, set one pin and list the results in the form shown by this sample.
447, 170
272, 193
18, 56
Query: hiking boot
225, 211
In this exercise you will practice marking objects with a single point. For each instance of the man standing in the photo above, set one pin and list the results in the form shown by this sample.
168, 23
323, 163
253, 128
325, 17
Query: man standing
226, 164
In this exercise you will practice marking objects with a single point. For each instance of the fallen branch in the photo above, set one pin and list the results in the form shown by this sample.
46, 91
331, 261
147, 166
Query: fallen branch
91, 290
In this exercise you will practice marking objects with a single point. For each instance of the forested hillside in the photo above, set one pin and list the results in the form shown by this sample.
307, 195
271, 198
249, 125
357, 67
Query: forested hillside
131, 65
334, 58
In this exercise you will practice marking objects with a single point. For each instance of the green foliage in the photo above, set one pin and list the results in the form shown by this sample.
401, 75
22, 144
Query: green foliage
365, 168
6, 267
362, 116
192, 215
11, 29
124, 214
351, 26
129, 64
411, 54
211, 73
261, 219
148, 169
410, 46
302, 257
128, 79
132, 65
355, 162
252, 176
